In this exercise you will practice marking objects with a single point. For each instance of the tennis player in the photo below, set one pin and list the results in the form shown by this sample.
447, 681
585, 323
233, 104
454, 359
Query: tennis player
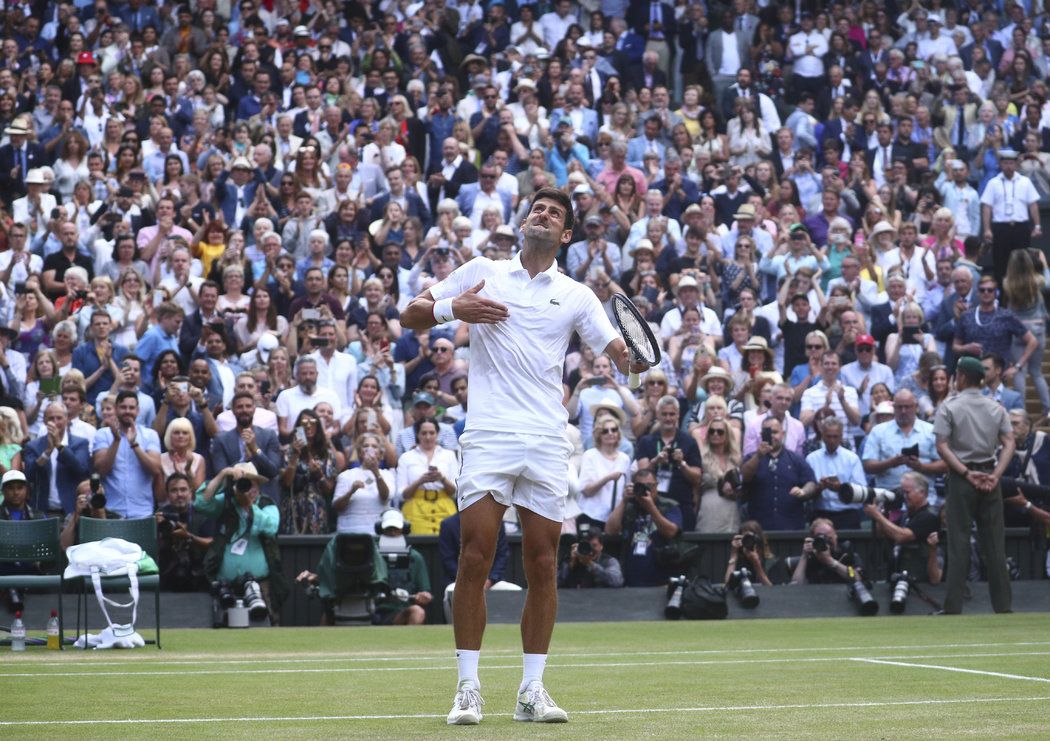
523, 313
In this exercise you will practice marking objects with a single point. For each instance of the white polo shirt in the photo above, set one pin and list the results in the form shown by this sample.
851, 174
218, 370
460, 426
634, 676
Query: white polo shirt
516, 365
1009, 199
339, 374
292, 401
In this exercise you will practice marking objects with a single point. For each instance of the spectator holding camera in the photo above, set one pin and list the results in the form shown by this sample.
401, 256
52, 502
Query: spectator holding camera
834, 465
822, 560
674, 458
904, 443
648, 524
362, 493
183, 537
409, 588
750, 549
90, 502
719, 489
239, 556
777, 481
915, 538
588, 565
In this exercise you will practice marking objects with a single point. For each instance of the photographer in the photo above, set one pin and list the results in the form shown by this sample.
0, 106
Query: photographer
750, 549
409, 588
183, 538
822, 559
1030, 465
914, 550
588, 565
90, 502
243, 557
900, 445
648, 525
834, 465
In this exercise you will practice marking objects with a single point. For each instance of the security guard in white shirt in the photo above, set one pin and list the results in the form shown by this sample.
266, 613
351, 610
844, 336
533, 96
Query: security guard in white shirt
1009, 211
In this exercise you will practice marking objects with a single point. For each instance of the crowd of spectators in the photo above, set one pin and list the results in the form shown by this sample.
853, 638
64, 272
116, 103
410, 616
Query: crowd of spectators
213, 214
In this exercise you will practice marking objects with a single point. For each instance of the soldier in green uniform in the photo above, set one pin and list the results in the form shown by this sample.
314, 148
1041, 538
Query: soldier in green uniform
969, 427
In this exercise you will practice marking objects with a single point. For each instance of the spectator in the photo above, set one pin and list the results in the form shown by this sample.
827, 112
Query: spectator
755, 555
426, 480
720, 482
915, 537
830, 391
651, 522
127, 456
305, 395
588, 570
414, 582
308, 478
889, 450
183, 538
777, 481
56, 463
993, 383
362, 493
674, 459
82, 507
238, 555
604, 470
179, 457
835, 466
99, 359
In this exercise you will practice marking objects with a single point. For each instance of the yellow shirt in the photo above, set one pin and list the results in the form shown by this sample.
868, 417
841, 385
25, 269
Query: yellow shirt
208, 254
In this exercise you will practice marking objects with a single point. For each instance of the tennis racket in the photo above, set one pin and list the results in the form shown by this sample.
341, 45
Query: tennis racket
636, 333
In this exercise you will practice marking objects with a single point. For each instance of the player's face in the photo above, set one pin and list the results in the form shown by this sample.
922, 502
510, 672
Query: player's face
546, 222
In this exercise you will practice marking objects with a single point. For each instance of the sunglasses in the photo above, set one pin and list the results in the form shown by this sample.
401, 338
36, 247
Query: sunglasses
610, 430
814, 347
440, 349
716, 431
656, 383
986, 289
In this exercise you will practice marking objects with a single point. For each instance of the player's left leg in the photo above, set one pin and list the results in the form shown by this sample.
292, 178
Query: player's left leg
540, 556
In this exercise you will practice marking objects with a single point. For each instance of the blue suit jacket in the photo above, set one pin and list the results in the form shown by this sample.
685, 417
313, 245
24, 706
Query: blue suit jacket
416, 207
637, 147
468, 192
590, 122
226, 195
85, 360
74, 465
147, 17
1008, 397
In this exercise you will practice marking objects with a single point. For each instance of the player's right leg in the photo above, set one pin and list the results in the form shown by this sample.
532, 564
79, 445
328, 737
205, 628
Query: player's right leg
479, 526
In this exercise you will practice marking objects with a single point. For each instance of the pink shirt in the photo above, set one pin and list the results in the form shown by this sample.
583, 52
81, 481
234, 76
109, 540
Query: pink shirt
608, 177
794, 438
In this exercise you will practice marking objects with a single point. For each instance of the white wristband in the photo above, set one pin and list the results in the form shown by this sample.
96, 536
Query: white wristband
443, 311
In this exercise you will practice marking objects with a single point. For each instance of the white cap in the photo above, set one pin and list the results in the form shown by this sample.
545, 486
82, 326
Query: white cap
267, 344
392, 518
12, 476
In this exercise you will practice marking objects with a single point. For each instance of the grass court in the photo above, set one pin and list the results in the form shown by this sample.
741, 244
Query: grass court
856, 678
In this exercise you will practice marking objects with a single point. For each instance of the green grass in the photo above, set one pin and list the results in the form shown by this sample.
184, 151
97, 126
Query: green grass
752, 679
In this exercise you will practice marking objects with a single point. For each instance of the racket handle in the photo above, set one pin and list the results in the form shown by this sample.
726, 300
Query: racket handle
634, 380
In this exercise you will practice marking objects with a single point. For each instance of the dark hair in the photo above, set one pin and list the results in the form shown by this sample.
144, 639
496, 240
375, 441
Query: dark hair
418, 425
318, 447
160, 358
559, 197
177, 476
127, 394
996, 358
241, 395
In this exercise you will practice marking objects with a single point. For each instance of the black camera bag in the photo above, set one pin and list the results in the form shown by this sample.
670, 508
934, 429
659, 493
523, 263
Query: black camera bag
702, 600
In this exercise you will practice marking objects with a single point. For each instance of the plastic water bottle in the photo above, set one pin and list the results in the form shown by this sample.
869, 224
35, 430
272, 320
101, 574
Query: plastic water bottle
18, 633
53, 642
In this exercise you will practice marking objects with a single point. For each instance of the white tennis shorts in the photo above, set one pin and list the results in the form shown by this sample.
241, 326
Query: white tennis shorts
518, 469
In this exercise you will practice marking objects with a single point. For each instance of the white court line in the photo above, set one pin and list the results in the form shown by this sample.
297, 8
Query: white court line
330, 658
953, 669
632, 711
124, 673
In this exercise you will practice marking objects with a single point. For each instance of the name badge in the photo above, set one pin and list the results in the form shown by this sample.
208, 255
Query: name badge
239, 548
663, 481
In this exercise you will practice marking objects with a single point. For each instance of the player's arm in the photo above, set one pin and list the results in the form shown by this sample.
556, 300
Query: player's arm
424, 312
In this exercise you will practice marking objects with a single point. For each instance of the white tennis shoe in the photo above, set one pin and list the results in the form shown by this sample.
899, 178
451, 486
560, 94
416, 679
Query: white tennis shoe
534, 704
466, 708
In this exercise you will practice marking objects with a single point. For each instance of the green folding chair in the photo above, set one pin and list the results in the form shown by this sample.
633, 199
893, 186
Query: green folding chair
31, 541
142, 532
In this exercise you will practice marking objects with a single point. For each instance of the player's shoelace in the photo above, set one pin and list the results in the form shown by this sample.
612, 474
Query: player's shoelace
538, 697
468, 697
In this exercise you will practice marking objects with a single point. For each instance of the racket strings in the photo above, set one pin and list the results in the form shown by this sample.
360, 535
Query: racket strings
636, 336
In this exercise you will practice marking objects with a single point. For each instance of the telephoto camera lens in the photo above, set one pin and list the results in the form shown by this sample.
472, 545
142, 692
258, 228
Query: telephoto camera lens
584, 548
253, 600
98, 501
821, 543
222, 592
675, 589
901, 585
853, 494
866, 604
243, 486
740, 581
749, 541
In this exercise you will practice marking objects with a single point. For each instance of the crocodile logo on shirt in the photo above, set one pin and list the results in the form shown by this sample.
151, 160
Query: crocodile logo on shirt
555, 302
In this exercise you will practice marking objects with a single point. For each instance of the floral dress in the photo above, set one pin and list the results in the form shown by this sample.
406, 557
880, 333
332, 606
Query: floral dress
304, 508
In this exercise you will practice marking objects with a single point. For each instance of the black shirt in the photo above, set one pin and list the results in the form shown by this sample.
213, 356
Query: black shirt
58, 262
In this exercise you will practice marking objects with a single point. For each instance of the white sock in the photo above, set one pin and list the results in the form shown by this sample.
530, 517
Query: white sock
468, 666
533, 669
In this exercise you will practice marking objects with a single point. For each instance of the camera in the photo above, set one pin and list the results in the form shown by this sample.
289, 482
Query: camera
639, 490
98, 499
243, 486
767, 435
740, 583
853, 494
1037, 492
731, 477
442, 252
749, 541
20, 287
858, 590
675, 588
583, 540
901, 584
821, 543
222, 591
319, 341
81, 295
